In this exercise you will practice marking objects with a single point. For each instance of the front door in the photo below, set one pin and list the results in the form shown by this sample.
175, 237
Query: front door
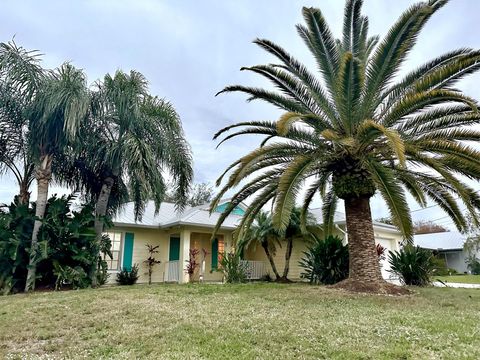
173, 271
174, 254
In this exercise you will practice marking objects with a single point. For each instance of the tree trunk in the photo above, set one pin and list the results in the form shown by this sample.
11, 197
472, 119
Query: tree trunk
288, 254
364, 264
100, 212
24, 195
270, 259
43, 175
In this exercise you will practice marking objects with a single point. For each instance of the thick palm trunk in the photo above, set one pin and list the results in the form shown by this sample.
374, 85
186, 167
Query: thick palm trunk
100, 212
24, 194
364, 264
288, 255
270, 259
43, 175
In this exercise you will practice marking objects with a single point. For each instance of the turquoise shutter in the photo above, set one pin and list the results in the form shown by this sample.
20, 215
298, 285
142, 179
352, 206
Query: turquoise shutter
128, 251
174, 254
215, 254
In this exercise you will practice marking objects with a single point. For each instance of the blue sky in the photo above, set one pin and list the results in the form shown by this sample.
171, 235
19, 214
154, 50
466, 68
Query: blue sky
191, 49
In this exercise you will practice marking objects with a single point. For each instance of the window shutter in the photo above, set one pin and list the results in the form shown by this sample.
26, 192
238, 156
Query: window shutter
128, 251
215, 254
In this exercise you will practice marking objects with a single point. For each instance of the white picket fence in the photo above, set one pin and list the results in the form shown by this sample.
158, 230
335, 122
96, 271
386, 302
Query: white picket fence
255, 269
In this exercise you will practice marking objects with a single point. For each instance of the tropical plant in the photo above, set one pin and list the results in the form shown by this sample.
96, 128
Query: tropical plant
66, 243
192, 263
150, 262
413, 265
261, 232
473, 265
128, 276
16, 225
20, 71
325, 261
362, 128
130, 140
233, 269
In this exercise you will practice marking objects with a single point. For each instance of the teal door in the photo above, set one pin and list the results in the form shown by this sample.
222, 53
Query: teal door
174, 254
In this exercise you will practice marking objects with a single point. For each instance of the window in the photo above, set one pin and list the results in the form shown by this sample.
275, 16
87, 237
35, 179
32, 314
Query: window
116, 239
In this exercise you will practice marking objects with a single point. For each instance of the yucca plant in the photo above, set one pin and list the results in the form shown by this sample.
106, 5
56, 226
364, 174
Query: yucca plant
358, 130
413, 265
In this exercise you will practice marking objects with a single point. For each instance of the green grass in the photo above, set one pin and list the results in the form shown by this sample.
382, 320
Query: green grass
263, 321
464, 279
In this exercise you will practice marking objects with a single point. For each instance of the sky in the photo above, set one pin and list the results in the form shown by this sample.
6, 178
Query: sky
190, 49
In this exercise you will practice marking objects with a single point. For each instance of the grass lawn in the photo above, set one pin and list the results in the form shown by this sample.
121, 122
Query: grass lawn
263, 321
464, 279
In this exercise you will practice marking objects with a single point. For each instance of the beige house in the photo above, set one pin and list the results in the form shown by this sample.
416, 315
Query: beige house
177, 233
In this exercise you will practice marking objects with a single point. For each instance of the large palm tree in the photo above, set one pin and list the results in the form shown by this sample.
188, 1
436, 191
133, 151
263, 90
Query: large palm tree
360, 129
130, 142
20, 73
60, 105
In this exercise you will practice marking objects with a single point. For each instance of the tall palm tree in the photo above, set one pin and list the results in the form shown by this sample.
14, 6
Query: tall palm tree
129, 143
263, 233
359, 130
60, 105
20, 73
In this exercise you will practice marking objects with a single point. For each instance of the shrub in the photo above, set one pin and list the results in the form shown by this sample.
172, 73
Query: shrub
128, 277
326, 261
66, 241
192, 263
473, 265
440, 267
413, 265
234, 270
75, 277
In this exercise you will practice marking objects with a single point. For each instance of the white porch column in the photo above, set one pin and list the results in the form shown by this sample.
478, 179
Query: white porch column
228, 242
184, 255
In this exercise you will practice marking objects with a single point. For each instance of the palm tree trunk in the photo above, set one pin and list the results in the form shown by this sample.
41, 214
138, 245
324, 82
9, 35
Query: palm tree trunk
288, 255
43, 175
364, 264
270, 259
100, 212
24, 194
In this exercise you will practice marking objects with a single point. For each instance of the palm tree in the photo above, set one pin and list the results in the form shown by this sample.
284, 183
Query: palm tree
60, 104
20, 74
360, 130
263, 233
130, 141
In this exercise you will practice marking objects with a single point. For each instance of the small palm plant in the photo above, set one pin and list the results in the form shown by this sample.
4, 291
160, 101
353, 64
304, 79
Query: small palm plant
359, 130
150, 262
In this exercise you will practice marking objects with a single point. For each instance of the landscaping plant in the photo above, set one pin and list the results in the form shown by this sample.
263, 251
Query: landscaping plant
128, 276
151, 261
233, 268
325, 262
413, 265
192, 263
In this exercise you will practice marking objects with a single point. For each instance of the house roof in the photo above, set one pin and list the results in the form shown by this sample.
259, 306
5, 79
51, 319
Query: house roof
168, 216
450, 240
340, 219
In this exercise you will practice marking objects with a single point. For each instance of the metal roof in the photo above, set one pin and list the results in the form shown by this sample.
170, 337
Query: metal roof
167, 216
450, 240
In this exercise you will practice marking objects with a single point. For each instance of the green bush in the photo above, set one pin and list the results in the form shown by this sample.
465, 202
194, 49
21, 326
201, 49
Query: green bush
234, 270
440, 267
413, 265
128, 277
326, 261
66, 251
473, 265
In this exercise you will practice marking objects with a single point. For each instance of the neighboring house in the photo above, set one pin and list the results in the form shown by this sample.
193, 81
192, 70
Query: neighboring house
448, 245
177, 233
386, 235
